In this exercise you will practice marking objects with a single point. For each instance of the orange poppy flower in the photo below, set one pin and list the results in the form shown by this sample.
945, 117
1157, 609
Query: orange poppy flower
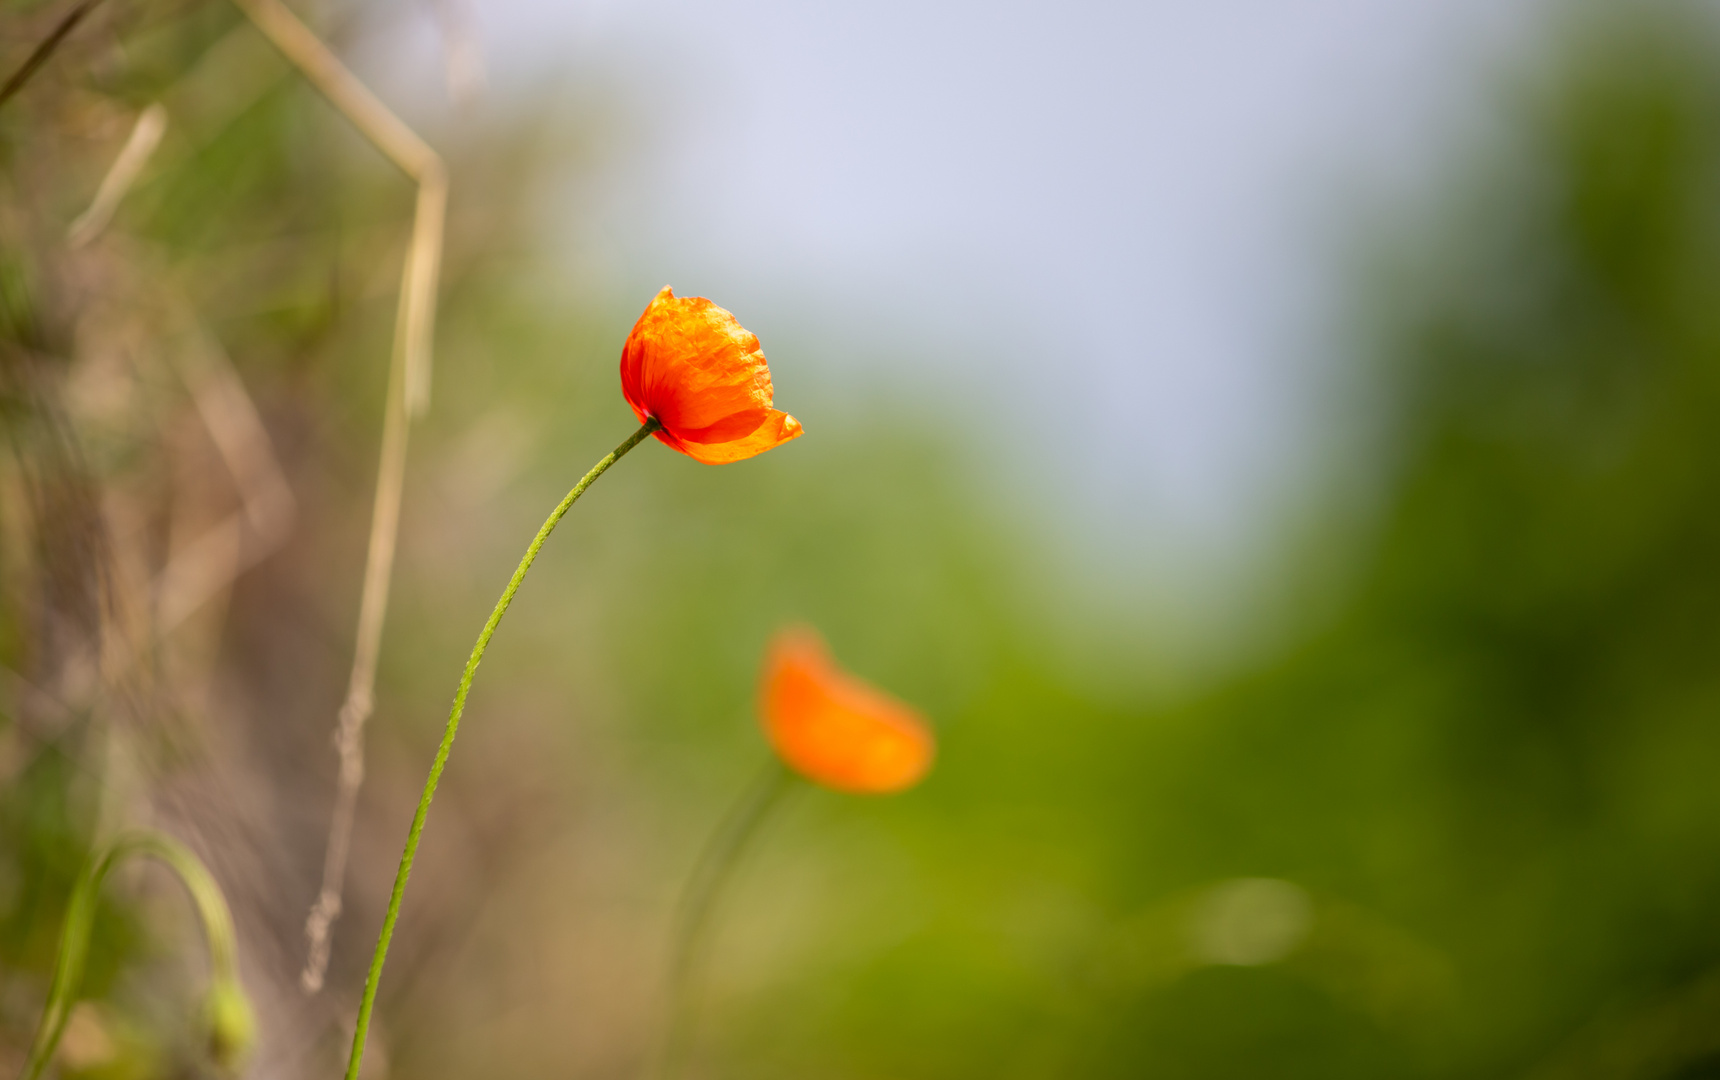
833, 728
690, 365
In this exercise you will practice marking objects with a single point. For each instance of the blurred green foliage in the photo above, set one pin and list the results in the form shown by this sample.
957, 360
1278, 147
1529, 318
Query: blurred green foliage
1489, 760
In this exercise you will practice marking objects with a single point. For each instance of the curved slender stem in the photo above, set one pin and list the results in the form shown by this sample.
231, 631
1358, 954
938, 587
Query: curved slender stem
80, 919
368, 1002
698, 902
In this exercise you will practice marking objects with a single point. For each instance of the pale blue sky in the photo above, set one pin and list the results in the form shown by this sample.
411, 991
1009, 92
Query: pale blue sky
1119, 225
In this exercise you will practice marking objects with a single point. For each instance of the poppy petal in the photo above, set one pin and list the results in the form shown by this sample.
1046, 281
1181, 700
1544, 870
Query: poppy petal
835, 729
692, 366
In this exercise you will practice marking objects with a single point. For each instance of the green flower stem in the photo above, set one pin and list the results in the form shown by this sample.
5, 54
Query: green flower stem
368, 1003
698, 902
224, 990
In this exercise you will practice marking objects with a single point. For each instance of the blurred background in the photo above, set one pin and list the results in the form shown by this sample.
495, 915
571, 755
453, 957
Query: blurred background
1276, 445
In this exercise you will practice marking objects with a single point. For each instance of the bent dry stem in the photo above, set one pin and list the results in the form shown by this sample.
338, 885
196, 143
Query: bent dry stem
368, 1002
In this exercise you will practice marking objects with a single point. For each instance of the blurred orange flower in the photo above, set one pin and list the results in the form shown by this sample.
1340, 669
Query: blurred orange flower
833, 728
690, 365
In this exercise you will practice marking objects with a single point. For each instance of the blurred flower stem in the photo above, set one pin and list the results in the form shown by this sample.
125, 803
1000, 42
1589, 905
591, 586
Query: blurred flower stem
226, 1007
698, 902
413, 834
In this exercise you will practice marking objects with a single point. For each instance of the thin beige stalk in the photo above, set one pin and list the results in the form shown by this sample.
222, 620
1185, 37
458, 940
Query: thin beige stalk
145, 137
408, 397
356, 709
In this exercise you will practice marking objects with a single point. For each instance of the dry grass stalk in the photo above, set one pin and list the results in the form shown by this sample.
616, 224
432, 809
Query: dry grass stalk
145, 137
39, 56
408, 397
